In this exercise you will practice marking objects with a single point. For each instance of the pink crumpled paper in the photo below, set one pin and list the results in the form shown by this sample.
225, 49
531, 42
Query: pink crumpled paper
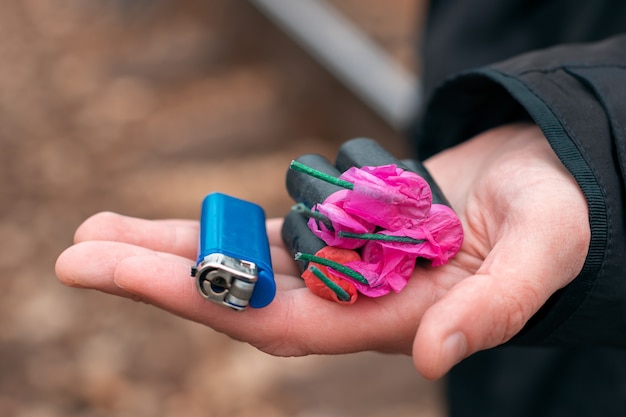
388, 266
341, 220
392, 201
387, 196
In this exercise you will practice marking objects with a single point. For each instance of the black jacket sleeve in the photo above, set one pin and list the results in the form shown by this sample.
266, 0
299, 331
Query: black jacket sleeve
577, 95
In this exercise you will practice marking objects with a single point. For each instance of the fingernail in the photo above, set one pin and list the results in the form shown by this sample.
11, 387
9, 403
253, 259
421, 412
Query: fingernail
454, 349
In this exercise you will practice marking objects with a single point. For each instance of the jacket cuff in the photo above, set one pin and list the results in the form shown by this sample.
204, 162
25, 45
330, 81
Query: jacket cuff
571, 106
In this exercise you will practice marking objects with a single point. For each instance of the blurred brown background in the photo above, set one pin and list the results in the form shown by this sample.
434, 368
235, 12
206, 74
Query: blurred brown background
142, 107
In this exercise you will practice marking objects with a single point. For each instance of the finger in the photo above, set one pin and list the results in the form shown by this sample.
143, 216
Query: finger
295, 323
92, 264
179, 237
487, 309
273, 231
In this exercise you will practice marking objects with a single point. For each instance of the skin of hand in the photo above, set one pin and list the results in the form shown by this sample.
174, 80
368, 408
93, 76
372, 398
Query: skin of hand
526, 236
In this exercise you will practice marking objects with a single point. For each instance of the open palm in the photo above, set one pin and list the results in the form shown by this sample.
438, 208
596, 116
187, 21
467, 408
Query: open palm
517, 204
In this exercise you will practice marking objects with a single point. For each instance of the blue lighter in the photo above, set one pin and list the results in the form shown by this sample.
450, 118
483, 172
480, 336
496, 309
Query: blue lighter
234, 267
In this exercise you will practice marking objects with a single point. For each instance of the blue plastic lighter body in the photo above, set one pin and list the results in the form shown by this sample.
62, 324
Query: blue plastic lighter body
235, 229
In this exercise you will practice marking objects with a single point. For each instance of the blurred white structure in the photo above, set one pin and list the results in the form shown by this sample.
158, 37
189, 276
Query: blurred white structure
350, 55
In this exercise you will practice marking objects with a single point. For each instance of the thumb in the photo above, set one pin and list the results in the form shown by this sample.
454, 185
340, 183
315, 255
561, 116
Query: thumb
487, 309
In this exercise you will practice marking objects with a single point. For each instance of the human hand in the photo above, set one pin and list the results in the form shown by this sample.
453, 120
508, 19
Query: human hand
526, 236
509, 190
